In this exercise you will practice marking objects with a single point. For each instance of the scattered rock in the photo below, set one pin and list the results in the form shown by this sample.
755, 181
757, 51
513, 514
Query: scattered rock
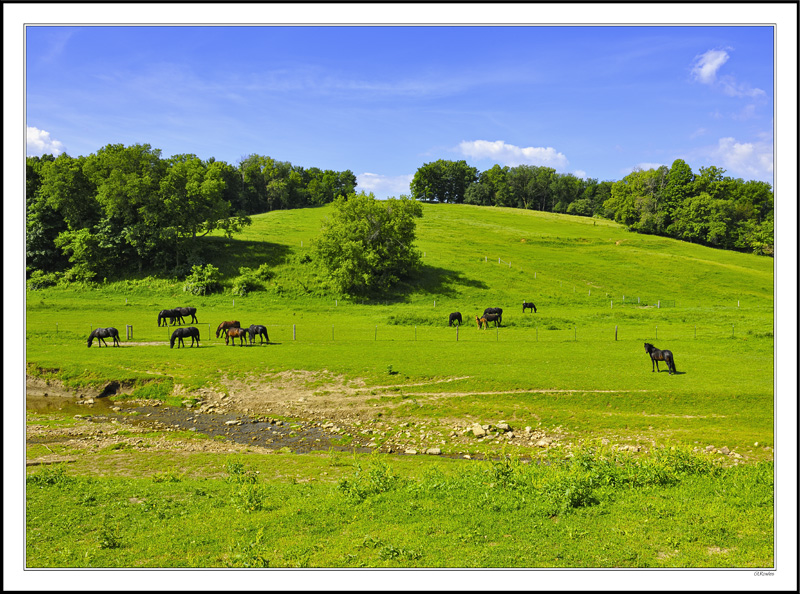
434, 451
478, 431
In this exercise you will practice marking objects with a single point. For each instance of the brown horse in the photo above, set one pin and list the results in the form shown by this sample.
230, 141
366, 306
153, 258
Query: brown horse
225, 325
481, 322
232, 333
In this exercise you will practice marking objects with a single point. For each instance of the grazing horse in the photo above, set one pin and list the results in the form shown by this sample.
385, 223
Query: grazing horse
491, 317
233, 333
225, 325
494, 310
261, 331
101, 333
455, 317
528, 305
187, 311
481, 322
172, 314
181, 333
657, 355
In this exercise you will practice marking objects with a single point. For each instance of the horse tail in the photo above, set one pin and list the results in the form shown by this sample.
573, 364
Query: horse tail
672, 363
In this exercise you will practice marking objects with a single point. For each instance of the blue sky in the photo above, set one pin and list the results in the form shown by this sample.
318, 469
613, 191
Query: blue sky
596, 101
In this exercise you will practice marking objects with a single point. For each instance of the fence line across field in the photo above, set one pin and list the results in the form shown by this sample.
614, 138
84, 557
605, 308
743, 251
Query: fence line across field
469, 332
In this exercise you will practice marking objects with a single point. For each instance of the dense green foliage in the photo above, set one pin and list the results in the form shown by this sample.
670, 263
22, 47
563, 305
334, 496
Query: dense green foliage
125, 209
708, 208
366, 246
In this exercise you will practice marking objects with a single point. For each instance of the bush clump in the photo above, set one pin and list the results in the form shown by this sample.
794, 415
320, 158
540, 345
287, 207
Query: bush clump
203, 280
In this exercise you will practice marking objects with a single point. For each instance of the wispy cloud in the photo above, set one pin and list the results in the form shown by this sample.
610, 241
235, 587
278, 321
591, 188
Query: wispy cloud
511, 155
705, 69
384, 185
38, 143
641, 167
706, 66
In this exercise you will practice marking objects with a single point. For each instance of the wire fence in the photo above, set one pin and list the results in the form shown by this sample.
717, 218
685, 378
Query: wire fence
309, 332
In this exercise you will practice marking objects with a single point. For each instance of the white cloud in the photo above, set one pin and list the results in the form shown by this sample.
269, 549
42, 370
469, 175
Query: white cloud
511, 155
38, 143
706, 66
745, 159
384, 186
580, 173
705, 70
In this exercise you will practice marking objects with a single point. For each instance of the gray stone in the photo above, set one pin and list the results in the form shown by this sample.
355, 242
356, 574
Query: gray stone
478, 431
434, 451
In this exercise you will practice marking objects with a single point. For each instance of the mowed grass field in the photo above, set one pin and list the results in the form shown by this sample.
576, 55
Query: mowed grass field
576, 368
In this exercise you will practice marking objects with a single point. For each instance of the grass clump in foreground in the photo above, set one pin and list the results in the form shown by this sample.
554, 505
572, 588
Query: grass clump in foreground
598, 508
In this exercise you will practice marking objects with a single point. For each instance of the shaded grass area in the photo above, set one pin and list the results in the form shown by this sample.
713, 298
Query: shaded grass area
597, 509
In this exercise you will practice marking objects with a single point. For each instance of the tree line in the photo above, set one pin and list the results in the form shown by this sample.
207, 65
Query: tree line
127, 208
707, 207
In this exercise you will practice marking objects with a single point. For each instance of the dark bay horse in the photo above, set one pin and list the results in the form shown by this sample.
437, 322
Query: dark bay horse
455, 317
491, 317
494, 310
101, 333
181, 333
257, 330
186, 312
528, 305
233, 333
657, 355
225, 325
172, 314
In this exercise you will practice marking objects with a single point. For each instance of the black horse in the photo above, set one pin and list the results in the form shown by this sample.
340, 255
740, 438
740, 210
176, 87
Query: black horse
101, 333
257, 330
528, 305
186, 312
234, 333
172, 314
181, 333
657, 355
494, 310
491, 317
455, 317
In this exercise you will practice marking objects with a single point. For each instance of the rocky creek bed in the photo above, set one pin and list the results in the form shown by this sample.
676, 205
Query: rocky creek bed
283, 414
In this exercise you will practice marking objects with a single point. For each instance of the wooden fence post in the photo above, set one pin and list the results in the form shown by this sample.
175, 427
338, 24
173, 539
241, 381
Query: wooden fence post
294, 331
616, 330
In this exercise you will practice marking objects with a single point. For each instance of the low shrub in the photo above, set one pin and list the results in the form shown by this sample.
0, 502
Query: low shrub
203, 280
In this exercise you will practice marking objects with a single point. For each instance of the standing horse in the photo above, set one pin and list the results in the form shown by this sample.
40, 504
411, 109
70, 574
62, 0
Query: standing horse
187, 311
491, 317
225, 325
101, 333
482, 323
172, 314
455, 317
528, 305
233, 333
181, 333
657, 355
261, 331
495, 310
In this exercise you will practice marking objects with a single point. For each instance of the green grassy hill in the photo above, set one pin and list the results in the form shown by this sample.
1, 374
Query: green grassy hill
575, 372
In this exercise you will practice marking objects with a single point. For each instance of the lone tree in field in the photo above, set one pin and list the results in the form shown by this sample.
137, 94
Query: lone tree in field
366, 245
